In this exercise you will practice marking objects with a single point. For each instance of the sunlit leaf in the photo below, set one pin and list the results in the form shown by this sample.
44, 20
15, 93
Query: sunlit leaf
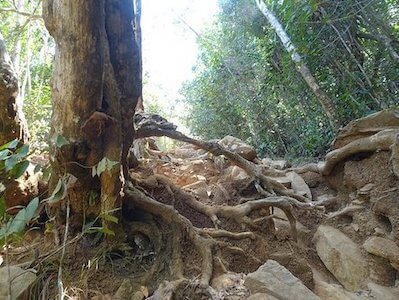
20, 168
10, 145
110, 218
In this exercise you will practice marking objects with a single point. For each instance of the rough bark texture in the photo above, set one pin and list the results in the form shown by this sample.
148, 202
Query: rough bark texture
12, 120
96, 84
326, 103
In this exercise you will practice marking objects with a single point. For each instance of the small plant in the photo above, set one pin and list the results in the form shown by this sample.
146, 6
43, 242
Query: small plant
13, 164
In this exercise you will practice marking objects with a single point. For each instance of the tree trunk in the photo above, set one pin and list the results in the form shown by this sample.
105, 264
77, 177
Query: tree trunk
12, 121
96, 85
325, 102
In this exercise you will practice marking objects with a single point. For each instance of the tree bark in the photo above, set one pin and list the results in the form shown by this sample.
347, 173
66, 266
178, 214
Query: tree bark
12, 121
96, 85
326, 103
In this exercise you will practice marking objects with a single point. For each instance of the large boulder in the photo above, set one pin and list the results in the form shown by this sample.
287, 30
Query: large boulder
20, 279
367, 126
238, 146
273, 279
342, 257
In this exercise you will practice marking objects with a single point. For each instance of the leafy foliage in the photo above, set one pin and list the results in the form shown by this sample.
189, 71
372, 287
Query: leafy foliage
246, 84
13, 165
31, 49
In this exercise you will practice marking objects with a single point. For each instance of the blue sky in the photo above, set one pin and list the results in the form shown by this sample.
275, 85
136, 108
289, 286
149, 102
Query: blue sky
169, 47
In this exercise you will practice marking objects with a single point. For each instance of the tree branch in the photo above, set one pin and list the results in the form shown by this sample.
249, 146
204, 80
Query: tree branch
22, 13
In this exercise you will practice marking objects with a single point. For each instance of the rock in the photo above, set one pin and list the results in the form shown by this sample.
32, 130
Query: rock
383, 293
342, 257
238, 146
382, 247
367, 126
127, 292
261, 296
21, 280
230, 286
235, 173
276, 164
273, 279
299, 185
225, 281
329, 291
365, 190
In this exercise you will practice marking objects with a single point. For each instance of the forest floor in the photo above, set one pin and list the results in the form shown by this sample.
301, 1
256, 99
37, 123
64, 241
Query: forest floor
346, 245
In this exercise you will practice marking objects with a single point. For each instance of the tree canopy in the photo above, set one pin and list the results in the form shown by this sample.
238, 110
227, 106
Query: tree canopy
247, 85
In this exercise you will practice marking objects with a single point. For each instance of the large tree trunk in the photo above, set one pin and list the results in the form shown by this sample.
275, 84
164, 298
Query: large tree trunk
12, 120
96, 84
326, 103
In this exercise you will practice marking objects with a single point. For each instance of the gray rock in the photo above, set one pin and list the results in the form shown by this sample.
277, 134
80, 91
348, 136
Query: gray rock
382, 247
273, 279
21, 280
238, 146
261, 296
342, 257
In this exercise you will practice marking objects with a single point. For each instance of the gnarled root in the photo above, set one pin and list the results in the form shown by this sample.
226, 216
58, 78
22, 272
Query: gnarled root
382, 140
202, 239
271, 185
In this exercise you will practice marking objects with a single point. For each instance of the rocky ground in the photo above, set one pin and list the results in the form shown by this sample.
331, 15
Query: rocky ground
346, 244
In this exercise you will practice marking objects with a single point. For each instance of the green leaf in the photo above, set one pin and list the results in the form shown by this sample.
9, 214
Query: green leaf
11, 162
47, 173
17, 223
102, 166
4, 154
108, 231
94, 171
10, 145
58, 193
2, 206
37, 169
19, 169
60, 141
30, 210
23, 151
110, 218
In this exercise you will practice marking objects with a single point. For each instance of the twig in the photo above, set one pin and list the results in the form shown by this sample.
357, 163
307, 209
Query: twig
60, 285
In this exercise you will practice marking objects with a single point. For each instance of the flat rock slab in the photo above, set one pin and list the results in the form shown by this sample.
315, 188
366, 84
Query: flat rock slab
382, 247
261, 296
342, 257
21, 280
273, 279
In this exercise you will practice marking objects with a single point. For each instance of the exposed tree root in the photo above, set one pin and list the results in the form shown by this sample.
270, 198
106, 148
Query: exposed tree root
384, 140
239, 213
204, 245
148, 128
347, 211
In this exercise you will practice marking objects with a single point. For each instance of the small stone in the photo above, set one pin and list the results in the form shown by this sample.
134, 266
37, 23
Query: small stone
365, 190
379, 231
355, 227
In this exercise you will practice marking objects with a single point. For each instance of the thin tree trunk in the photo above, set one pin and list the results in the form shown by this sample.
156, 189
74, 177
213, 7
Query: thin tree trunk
12, 121
325, 101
